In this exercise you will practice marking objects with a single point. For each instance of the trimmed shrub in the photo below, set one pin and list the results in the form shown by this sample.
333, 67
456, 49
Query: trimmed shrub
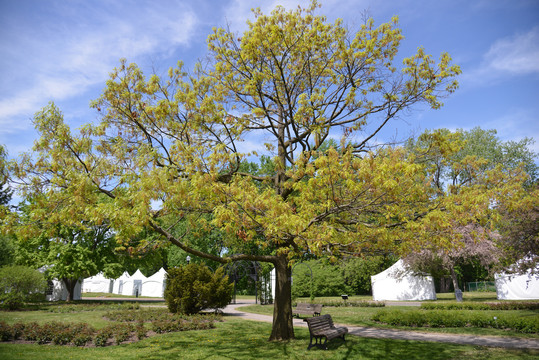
20, 284
440, 318
347, 303
193, 288
507, 305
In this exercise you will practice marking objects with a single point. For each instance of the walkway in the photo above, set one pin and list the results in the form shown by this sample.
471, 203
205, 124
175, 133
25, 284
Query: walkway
369, 332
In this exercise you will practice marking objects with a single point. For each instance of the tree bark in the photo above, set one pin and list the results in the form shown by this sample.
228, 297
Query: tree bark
70, 286
458, 292
283, 326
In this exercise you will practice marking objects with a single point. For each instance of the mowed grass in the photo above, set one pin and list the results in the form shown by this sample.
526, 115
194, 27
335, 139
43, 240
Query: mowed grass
361, 316
242, 339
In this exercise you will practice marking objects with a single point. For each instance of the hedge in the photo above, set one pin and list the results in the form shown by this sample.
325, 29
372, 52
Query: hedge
440, 318
507, 305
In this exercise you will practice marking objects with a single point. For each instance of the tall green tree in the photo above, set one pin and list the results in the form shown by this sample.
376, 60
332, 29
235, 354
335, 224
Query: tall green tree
68, 253
293, 79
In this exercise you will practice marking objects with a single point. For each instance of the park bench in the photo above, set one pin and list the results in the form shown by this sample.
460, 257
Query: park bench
323, 327
308, 309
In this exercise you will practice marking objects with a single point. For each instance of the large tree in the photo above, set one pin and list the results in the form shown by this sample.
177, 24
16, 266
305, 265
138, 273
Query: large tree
172, 148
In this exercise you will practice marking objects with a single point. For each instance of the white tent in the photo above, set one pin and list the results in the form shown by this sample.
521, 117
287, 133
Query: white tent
57, 291
97, 283
399, 283
123, 285
517, 287
154, 286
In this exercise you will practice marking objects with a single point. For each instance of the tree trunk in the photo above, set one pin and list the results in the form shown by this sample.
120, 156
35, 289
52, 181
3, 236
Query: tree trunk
458, 292
70, 286
444, 285
283, 326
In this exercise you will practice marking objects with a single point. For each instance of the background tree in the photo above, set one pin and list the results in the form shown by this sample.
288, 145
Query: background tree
293, 79
478, 153
519, 229
69, 253
327, 280
357, 271
7, 246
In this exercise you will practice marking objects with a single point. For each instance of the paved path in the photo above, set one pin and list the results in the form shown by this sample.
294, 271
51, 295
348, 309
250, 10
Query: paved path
370, 332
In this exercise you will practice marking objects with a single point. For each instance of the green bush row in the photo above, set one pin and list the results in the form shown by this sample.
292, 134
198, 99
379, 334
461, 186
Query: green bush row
80, 334
54, 332
350, 303
165, 326
150, 315
506, 305
440, 318
71, 308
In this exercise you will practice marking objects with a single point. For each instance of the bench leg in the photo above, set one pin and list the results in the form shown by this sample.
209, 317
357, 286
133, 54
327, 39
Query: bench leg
318, 342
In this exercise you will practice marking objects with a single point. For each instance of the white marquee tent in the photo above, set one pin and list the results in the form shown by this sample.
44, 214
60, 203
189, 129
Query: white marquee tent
154, 286
97, 283
123, 285
399, 283
140, 285
517, 287
56, 289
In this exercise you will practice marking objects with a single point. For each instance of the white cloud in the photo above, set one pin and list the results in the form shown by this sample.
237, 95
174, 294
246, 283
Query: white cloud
517, 54
77, 47
510, 56
515, 125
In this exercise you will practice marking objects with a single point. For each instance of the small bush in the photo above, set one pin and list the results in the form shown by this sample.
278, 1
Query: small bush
82, 339
6, 332
102, 336
193, 288
20, 284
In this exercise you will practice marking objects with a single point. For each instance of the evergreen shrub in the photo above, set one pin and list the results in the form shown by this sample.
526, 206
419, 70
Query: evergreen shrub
193, 288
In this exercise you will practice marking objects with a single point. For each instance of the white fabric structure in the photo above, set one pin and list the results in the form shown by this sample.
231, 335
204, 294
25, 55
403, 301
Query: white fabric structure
97, 283
57, 291
140, 285
154, 286
517, 287
123, 285
398, 283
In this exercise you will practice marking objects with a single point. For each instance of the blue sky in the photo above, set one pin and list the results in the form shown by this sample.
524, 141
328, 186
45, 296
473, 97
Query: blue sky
63, 51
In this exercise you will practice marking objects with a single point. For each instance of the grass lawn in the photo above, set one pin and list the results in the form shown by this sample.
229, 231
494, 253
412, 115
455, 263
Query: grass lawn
242, 339
361, 316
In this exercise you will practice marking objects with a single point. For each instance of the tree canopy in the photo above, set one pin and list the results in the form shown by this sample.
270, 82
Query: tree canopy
172, 148
479, 153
